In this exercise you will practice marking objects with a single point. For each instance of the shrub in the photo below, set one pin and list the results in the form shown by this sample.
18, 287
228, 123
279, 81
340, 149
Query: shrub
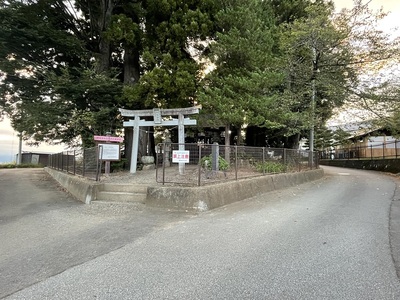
206, 162
8, 166
117, 166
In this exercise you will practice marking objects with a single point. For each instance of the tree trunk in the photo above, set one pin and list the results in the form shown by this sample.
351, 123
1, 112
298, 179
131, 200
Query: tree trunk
239, 135
131, 66
102, 24
143, 142
131, 77
128, 140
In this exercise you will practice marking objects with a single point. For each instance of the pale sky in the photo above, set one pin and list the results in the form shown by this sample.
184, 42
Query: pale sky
9, 143
9, 139
353, 113
391, 6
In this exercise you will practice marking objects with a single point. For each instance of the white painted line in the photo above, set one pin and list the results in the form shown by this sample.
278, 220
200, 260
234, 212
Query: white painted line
344, 174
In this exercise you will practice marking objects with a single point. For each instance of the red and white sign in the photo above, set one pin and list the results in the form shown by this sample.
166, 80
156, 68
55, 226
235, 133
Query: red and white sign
180, 156
106, 138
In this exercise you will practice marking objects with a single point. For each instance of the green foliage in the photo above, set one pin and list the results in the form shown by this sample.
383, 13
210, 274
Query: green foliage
206, 162
325, 138
310, 46
51, 92
242, 87
66, 68
287, 11
117, 166
271, 167
170, 73
341, 137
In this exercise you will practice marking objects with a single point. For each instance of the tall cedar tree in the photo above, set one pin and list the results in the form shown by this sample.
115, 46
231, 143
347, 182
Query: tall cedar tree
240, 89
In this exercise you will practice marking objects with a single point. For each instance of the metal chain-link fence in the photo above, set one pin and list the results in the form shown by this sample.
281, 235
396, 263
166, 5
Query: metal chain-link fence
374, 150
199, 164
84, 162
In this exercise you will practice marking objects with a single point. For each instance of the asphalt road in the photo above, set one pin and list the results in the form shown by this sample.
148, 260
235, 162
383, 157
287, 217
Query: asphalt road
329, 239
45, 231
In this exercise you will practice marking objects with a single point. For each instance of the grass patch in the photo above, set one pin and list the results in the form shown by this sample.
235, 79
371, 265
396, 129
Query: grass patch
271, 167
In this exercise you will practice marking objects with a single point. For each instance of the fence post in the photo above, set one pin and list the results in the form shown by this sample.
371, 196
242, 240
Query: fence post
67, 166
299, 159
263, 160
156, 162
236, 163
83, 162
74, 162
62, 161
99, 162
371, 152
199, 162
284, 156
163, 162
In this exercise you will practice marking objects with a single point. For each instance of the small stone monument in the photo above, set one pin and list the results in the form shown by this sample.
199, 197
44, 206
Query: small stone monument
148, 162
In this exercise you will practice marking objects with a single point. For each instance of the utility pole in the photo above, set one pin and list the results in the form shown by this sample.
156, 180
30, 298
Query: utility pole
313, 94
19, 160
312, 127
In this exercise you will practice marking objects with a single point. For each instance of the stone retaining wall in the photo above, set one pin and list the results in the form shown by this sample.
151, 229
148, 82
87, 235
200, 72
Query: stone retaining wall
212, 196
81, 189
201, 198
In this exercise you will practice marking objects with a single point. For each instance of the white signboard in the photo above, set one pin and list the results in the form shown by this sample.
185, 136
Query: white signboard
180, 156
109, 152
35, 159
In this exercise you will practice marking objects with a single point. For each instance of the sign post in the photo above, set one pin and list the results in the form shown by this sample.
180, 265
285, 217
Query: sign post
108, 151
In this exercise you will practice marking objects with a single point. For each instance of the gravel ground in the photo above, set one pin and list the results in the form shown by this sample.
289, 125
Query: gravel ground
141, 177
173, 177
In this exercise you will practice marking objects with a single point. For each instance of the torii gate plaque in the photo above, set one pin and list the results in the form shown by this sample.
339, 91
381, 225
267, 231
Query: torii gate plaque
157, 114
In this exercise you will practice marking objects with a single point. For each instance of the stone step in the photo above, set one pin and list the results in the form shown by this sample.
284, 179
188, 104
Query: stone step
120, 205
121, 196
130, 188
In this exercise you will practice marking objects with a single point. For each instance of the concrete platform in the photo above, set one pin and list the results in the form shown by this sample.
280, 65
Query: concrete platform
199, 199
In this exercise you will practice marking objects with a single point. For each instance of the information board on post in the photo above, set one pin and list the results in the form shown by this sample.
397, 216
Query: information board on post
109, 152
180, 156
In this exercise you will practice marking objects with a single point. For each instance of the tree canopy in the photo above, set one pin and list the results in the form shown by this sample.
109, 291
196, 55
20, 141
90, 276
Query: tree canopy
282, 66
242, 87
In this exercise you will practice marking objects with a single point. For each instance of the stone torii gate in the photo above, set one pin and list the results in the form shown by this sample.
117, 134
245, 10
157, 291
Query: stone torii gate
157, 115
